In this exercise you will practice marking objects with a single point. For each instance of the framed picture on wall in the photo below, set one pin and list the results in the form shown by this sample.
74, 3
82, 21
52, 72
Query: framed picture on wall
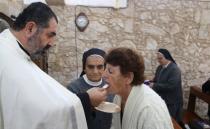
92, 3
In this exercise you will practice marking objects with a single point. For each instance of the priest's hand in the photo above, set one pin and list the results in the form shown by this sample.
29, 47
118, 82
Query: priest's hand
97, 95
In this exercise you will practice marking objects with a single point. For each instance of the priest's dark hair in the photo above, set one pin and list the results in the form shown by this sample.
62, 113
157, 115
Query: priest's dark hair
37, 12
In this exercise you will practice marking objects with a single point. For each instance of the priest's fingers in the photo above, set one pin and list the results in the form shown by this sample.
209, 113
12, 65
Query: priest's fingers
97, 95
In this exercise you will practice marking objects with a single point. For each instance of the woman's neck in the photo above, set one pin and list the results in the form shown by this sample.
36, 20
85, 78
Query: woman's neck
124, 94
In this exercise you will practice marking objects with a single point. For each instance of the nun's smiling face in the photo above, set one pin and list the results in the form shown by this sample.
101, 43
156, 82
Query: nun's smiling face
94, 68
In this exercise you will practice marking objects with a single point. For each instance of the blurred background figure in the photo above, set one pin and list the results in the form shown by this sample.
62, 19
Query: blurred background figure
168, 84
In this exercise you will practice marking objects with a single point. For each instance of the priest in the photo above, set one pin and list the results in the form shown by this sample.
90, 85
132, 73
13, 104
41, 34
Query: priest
29, 98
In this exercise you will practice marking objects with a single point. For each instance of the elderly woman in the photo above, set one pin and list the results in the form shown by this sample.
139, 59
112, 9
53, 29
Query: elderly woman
141, 107
93, 67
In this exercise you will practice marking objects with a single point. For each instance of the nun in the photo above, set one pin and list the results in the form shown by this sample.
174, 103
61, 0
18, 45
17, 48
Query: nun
168, 84
93, 64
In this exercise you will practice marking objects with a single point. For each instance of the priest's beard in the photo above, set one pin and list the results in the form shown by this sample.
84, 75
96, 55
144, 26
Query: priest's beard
37, 51
40, 53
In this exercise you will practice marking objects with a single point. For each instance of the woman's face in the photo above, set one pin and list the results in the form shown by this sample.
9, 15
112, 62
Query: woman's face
161, 59
94, 68
114, 79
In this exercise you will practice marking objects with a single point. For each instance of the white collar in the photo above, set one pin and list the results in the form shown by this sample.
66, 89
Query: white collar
165, 66
11, 38
91, 82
